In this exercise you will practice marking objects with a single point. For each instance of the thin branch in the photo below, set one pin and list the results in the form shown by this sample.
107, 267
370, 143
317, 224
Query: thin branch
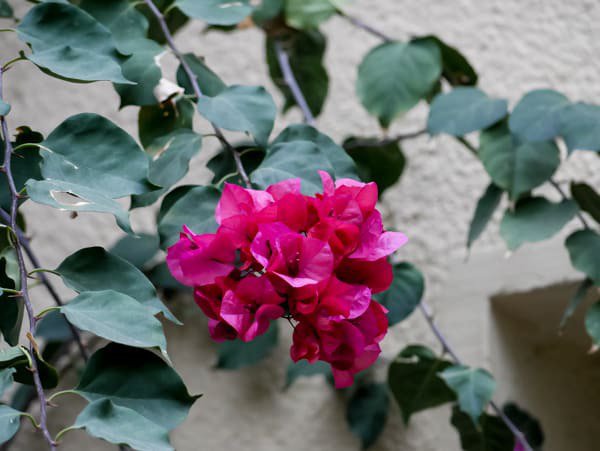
468, 145
290, 80
194, 82
368, 28
428, 314
44, 279
23, 279
565, 197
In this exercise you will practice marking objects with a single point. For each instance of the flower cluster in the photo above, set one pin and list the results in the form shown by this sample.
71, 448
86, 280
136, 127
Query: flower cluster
315, 260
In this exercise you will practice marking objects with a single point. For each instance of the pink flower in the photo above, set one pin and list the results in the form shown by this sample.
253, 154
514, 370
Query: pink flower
292, 257
318, 258
200, 259
251, 306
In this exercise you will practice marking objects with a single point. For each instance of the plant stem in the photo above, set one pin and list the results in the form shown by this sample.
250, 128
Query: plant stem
447, 348
44, 279
368, 28
23, 278
565, 197
194, 82
290, 80
385, 141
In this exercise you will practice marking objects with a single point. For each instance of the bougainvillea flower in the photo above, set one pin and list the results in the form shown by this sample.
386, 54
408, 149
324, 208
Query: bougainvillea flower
251, 307
315, 260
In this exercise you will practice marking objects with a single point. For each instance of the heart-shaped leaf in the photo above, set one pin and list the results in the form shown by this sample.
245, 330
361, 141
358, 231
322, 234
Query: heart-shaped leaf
303, 368
248, 109
579, 126
535, 219
94, 269
474, 388
307, 14
139, 380
122, 426
116, 317
367, 412
10, 421
514, 165
11, 307
395, 76
210, 84
488, 434
486, 206
537, 115
69, 43
587, 199
584, 251
464, 110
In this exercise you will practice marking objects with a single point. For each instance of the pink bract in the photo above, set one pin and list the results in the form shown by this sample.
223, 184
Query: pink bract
315, 260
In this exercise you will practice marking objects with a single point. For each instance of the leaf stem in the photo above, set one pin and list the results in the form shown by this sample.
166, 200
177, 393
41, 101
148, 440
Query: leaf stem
447, 348
290, 80
385, 141
23, 276
7, 65
194, 82
368, 28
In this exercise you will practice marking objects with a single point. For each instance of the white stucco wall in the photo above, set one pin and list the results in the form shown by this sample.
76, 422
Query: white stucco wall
515, 46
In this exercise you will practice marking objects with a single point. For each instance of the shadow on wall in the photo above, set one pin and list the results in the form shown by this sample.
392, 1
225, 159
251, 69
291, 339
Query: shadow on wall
551, 375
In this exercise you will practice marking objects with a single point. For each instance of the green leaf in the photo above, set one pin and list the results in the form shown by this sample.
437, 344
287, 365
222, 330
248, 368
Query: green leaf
122, 426
303, 368
537, 115
516, 166
592, 324
74, 197
17, 357
587, 199
456, 69
157, 121
94, 269
210, 84
414, 381
139, 380
136, 249
291, 160
4, 108
343, 165
535, 219
486, 206
305, 14
129, 28
193, 206
172, 156
474, 388
5, 9
266, 11
69, 43
223, 165
579, 126
10, 421
11, 307
25, 165
405, 293
526, 423
6, 379
395, 76
236, 354
116, 317
91, 151
584, 251
489, 434
54, 327
377, 161
216, 12
248, 109
305, 51
464, 110
367, 412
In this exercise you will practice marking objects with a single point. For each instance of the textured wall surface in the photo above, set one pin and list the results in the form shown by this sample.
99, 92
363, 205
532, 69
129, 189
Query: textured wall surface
515, 46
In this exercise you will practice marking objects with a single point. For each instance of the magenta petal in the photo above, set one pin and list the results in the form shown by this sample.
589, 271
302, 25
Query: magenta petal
374, 242
327, 181
280, 189
263, 317
237, 200
234, 312
262, 245
342, 378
